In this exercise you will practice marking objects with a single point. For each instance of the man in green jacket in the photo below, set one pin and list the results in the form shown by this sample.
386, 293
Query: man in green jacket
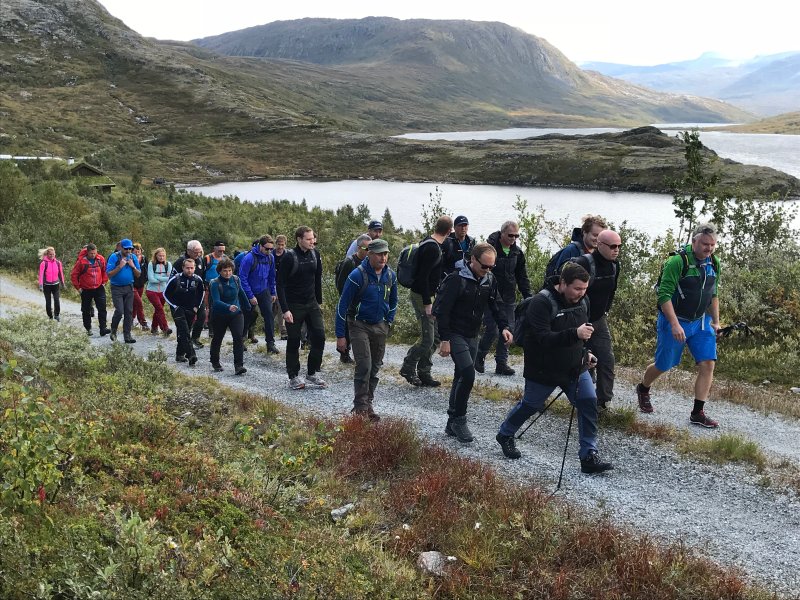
688, 315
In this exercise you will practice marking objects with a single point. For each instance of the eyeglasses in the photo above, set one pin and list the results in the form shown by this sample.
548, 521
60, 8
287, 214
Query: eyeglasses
483, 266
364, 247
612, 246
513, 235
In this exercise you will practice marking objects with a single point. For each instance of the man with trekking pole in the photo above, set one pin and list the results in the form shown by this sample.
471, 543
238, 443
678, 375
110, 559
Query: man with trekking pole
556, 330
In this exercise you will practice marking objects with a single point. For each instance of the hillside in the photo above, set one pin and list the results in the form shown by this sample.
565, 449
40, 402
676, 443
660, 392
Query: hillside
78, 82
788, 124
765, 85
465, 64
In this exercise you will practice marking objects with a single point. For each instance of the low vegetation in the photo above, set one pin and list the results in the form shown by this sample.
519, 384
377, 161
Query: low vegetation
135, 483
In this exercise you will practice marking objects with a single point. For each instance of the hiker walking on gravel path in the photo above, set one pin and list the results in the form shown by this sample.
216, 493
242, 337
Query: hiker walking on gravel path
342, 271
51, 281
159, 271
184, 294
194, 250
228, 304
89, 277
688, 315
123, 268
460, 304
367, 305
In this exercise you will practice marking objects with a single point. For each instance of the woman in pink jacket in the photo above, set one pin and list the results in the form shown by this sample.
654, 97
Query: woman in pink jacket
51, 281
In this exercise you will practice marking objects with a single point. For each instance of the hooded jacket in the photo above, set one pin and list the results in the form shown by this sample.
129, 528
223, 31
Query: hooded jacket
257, 272
88, 275
462, 300
509, 271
574, 249
51, 271
455, 252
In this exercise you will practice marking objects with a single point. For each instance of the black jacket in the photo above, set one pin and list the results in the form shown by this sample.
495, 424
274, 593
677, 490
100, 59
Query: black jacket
455, 253
199, 266
603, 287
553, 351
430, 261
299, 278
461, 302
185, 292
509, 271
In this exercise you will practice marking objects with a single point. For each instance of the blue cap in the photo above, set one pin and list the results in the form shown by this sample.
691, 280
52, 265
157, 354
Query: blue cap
375, 225
126, 243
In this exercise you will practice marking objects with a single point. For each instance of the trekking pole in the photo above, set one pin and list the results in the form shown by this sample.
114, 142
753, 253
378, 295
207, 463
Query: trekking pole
544, 410
566, 445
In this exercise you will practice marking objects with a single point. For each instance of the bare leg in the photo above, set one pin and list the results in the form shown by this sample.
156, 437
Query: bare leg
705, 376
651, 373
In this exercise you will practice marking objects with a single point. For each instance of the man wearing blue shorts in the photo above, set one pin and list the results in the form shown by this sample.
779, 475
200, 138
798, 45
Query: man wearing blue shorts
688, 316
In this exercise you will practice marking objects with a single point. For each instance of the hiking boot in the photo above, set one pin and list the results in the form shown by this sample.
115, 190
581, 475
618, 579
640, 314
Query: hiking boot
217, 367
253, 340
503, 369
602, 405
373, 416
57, 318
272, 348
315, 381
89, 332
458, 429
192, 361
593, 464
296, 383
130, 340
104, 331
410, 377
284, 338
643, 395
480, 365
345, 357
428, 381
508, 445
240, 370
180, 359
113, 336
702, 420
197, 344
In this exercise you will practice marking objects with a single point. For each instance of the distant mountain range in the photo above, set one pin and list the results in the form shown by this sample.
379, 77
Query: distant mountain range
765, 85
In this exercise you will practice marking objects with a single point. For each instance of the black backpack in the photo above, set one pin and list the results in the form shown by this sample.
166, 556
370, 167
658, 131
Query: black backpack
408, 263
521, 311
337, 272
685, 267
552, 268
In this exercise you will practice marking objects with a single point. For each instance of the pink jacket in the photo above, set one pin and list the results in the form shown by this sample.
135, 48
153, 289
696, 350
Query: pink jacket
51, 271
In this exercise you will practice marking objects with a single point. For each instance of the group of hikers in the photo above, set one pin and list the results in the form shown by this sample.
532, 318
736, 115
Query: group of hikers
457, 286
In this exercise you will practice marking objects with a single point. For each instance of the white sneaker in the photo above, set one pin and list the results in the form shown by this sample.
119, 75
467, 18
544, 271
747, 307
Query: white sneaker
296, 383
315, 381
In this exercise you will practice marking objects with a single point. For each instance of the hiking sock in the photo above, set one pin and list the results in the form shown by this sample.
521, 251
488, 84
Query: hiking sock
698, 406
645, 388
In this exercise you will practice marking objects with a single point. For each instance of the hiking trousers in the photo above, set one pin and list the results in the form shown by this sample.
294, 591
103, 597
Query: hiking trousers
369, 346
418, 358
122, 298
309, 314
98, 296
184, 319
463, 351
52, 299
493, 332
221, 322
600, 345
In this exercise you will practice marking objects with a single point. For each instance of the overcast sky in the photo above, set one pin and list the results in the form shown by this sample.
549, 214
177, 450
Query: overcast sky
626, 31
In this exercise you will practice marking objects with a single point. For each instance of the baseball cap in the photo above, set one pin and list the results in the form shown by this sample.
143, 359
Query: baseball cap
375, 225
461, 220
126, 243
378, 246
219, 243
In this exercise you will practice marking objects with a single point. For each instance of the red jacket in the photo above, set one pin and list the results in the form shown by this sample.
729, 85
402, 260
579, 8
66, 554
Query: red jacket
88, 276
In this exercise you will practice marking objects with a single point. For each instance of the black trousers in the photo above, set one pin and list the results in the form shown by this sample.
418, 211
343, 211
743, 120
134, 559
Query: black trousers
311, 315
264, 300
221, 322
98, 295
184, 319
197, 326
52, 299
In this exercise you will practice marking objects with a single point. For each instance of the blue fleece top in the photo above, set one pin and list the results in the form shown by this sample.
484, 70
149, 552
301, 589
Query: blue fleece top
378, 302
226, 293
256, 279
125, 275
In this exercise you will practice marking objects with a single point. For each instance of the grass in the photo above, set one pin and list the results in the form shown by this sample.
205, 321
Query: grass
236, 499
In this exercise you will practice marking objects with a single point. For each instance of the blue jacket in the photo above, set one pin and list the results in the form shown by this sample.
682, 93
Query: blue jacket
257, 272
226, 293
574, 249
125, 275
377, 303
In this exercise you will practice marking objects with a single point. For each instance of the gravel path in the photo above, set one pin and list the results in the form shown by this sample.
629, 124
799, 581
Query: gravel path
723, 511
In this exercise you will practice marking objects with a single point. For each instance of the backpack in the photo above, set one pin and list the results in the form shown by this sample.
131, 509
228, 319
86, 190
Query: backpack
337, 272
290, 253
552, 268
407, 263
521, 311
589, 256
685, 266
365, 284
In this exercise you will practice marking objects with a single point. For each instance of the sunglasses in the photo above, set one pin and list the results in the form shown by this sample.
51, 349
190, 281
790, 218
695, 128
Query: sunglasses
513, 235
612, 246
364, 247
483, 266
